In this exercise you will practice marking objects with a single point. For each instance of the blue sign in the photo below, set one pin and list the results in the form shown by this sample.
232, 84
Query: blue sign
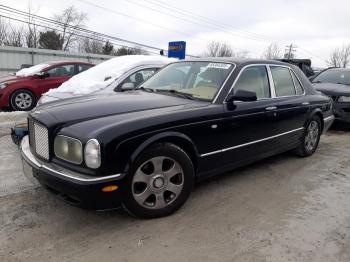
177, 49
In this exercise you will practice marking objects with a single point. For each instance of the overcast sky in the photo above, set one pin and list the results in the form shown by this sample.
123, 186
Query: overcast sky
314, 26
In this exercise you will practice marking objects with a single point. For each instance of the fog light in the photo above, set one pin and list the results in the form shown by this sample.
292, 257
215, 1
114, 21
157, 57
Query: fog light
110, 188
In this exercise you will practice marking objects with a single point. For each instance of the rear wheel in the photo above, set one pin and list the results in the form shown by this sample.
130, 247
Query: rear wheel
310, 138
22, 100
160, 182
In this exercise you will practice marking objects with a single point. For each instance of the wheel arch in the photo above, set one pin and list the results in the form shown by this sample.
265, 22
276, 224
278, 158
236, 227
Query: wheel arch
316, 112
179, 139
26, 88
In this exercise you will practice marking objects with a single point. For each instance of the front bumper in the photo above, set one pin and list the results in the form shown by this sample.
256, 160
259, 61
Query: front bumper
74, 188
341, 112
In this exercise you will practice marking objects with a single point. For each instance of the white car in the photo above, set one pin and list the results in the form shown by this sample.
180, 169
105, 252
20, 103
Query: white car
114, 75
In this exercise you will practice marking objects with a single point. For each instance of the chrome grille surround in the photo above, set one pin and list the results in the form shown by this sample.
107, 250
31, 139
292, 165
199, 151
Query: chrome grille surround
39, 139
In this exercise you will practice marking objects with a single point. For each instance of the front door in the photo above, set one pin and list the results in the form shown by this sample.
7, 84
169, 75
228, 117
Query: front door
57, 76
250, 126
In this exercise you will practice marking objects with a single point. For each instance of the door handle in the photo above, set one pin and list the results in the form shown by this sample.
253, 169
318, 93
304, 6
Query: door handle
271, 108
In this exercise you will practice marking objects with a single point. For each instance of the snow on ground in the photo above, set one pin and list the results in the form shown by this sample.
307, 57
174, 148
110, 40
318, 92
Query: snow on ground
31, 70
16, 116
103, 74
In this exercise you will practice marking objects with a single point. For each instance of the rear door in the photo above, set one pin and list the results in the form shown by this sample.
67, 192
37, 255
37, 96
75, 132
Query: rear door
292, 105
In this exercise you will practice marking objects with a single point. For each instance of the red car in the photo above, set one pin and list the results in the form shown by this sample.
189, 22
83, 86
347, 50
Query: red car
22, 90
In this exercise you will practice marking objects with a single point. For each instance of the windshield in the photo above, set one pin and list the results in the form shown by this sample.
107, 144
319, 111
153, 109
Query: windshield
333, 76
195, 80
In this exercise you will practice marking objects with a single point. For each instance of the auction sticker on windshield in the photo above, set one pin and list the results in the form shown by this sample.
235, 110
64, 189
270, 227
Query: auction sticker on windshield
219, 65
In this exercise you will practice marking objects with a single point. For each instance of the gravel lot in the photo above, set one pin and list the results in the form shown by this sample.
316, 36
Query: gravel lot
280, 209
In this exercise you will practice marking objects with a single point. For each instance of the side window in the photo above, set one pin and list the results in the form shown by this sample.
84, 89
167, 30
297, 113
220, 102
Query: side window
299, 89
283, 81
254, 79
140, 76
82, 67
64, 70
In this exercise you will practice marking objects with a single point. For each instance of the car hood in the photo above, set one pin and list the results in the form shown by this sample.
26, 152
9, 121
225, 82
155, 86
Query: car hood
11, 78
77, 109
54, 96
333, 89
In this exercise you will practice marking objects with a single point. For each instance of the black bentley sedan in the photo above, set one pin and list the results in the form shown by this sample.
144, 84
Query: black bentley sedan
145, 149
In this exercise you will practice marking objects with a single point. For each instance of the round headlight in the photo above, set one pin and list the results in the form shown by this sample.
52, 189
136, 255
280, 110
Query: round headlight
69, 149
92, 154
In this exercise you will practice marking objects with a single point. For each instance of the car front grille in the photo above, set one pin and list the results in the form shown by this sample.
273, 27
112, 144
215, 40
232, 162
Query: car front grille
39, 139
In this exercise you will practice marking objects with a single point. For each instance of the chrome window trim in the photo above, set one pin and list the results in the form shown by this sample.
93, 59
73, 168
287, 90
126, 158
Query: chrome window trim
82, 150
250, 143
298, 79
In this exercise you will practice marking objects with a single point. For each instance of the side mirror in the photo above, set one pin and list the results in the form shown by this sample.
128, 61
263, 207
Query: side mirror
42, 74
242, 95
128, 86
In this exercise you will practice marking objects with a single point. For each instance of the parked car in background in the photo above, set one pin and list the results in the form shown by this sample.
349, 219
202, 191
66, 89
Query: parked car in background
21, 91
335, 82
144, 149
114, 75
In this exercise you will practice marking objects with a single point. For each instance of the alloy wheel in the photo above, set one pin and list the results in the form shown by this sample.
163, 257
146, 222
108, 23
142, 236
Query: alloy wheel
312, 135
23, 101
157, 182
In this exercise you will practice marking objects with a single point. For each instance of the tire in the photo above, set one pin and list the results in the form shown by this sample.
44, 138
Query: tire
159, 182
22, 100
311, 137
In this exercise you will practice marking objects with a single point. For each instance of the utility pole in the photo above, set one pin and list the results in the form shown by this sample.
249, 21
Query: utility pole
289, 52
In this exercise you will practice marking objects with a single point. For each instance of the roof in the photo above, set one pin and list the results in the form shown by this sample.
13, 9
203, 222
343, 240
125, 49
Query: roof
237, 61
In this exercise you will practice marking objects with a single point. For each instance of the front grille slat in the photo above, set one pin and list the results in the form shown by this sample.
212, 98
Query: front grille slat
39, 139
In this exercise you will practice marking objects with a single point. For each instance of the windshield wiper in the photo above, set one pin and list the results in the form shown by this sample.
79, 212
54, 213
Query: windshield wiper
146, 89
177, 93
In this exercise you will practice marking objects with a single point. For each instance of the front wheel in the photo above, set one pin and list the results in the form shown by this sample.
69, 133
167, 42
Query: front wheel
160, 181
22, 100
311, 137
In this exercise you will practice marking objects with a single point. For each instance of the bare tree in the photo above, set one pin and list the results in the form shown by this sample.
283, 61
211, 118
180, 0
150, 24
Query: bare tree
218, 49
92, 46
340, 57
14, 36
272, 51
345, 56
240, 54
71, 20
3, 31
32, 34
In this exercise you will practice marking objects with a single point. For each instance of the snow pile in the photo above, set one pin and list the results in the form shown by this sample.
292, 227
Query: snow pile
103, 74
31, 70
12, 116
